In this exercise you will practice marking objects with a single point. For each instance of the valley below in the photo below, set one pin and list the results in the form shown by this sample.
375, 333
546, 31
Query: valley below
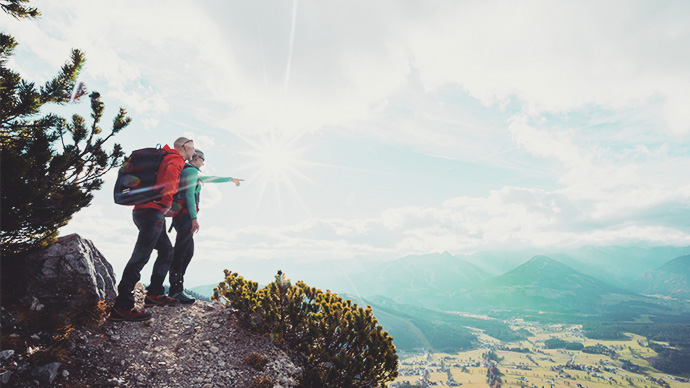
530, 362
590, 319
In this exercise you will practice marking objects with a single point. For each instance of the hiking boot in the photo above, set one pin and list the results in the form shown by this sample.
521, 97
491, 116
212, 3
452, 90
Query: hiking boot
183, 298
160, 300
118, 314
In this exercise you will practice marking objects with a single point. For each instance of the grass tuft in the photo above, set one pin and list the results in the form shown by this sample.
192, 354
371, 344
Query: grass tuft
256, 361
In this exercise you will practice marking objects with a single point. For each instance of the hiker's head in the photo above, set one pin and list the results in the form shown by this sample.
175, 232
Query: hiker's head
198, 159
185, 147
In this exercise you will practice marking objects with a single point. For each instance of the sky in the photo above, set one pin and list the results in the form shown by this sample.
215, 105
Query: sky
376, 130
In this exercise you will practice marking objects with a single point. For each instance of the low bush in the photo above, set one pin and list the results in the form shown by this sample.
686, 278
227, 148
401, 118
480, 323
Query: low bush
340, 344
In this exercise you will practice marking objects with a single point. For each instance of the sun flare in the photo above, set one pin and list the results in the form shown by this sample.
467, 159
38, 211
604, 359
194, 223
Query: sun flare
277, 166
276, 159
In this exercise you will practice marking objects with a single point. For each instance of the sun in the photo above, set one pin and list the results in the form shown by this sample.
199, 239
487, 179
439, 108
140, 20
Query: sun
277, 159
278, 167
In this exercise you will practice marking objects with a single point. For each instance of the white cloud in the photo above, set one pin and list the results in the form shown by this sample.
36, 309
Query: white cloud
403, 76
559, 57
212, 197
608, 197
142, 101
228, 64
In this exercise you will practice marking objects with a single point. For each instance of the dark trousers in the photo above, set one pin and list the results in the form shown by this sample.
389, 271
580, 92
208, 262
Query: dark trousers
152, 235
184, 250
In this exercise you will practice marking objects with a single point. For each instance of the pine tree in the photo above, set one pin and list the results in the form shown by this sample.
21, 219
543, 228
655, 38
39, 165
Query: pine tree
49, 165
18, 10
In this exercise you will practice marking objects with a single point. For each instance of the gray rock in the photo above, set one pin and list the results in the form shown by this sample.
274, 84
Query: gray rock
46, 373
5, 377
36, 304
5, 354
72, 272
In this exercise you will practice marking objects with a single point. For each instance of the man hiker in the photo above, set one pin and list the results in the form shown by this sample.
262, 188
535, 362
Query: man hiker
184, 211
149, 219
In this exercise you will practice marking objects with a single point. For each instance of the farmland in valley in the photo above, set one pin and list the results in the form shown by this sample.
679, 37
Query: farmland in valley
528, 363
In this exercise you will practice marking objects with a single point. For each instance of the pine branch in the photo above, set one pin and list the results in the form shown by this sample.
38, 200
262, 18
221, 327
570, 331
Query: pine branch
15, 9
59, 89
7, 46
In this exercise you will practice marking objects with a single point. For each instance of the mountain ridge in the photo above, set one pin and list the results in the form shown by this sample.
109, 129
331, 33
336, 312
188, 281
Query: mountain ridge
671, 279
445, 282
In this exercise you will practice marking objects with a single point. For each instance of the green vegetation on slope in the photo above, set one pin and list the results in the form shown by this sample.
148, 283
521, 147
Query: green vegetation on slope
340, 344
674, 358
438, 330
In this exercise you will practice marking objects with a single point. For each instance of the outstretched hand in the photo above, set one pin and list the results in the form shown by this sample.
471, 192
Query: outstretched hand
237, 181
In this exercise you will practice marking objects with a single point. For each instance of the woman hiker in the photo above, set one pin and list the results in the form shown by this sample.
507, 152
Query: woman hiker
184, 211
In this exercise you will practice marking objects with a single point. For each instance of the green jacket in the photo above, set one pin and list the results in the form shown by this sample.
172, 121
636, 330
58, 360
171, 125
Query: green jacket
189, 191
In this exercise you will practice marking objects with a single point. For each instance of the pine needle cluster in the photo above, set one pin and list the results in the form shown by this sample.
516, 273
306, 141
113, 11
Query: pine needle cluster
50, 164
342, 344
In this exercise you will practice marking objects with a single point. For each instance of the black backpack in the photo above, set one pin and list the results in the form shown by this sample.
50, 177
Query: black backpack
136, 179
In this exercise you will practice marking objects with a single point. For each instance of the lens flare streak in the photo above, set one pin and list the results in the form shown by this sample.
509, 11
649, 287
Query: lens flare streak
276, 163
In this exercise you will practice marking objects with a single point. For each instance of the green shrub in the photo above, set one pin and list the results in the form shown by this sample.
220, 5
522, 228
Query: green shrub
340, 343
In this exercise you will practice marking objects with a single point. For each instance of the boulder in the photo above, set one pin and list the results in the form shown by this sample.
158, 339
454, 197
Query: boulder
46, 373
5, 354
72, 272
5, 377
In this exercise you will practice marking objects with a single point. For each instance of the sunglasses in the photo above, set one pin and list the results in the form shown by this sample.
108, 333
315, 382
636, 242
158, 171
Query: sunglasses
188, 141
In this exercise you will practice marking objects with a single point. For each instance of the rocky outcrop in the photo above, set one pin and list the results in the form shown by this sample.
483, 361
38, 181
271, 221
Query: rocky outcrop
70, 273
199, 345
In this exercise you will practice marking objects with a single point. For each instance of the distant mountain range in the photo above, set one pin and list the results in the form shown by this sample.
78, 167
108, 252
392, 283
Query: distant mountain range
449, 283
415, 297
415, 327
536, 287
671, 279
433, 281
619, 266
544, 284
206, 290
